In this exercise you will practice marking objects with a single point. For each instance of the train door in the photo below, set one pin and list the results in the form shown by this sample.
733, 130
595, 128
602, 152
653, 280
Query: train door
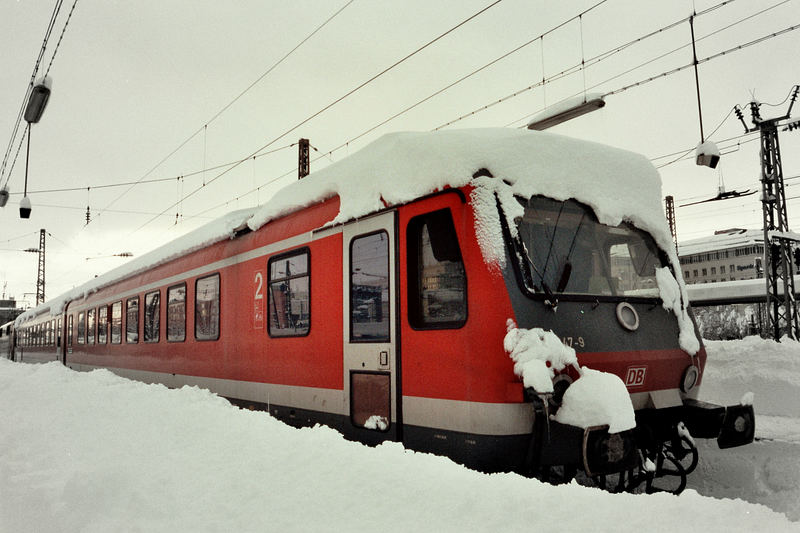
371, 373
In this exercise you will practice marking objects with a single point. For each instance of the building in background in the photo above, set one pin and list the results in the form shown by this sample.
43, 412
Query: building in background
728, 255
9, 310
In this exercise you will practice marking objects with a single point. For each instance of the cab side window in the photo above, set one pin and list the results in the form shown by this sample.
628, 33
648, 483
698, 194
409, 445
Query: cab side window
437, 281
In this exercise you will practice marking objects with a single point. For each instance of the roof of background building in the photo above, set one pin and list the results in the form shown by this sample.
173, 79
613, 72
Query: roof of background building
722, 240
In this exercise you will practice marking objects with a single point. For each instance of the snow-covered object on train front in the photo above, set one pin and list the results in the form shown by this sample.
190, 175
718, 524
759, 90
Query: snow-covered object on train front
537, 355
595, 399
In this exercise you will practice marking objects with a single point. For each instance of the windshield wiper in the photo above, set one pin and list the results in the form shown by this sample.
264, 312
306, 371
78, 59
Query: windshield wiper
550, 300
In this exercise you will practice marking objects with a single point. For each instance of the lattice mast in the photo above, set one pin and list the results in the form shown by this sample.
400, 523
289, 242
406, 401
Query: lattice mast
303, 163
781, 310
40, 272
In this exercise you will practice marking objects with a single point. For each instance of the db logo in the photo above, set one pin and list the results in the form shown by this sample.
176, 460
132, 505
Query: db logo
635, 376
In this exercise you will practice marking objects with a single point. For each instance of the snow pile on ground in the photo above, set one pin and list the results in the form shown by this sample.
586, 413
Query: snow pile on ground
767, 471
595, 399
95, 452
769, 369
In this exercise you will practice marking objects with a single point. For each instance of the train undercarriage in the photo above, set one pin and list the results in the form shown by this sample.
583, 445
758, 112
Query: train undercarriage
656, 456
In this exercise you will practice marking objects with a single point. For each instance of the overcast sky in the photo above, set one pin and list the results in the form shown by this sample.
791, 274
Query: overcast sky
133, 81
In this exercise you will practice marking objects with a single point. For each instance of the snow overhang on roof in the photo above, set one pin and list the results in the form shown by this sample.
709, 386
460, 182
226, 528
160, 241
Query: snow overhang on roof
398, 167
721, 241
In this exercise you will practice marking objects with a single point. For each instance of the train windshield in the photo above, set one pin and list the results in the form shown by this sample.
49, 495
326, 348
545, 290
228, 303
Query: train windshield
567, 251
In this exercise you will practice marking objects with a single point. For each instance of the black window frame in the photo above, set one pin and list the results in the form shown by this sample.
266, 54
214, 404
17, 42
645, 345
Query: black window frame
117, 304
169, 289
102, 311
127, 319
155, 326
270, 281
81, 327
389, 266
413, 234
197, 307
91, 326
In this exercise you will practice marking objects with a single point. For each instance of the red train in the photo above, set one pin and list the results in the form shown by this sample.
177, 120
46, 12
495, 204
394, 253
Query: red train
373, 296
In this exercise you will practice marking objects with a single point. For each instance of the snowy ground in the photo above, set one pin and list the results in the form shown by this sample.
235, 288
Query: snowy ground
94, 452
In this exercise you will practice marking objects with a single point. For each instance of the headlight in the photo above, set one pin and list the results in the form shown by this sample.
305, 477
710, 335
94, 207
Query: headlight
689, 379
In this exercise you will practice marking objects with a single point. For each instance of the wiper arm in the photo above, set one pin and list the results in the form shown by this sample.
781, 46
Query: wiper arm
551, 300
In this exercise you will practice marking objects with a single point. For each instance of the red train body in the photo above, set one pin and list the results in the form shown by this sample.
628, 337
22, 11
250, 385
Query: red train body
390, 326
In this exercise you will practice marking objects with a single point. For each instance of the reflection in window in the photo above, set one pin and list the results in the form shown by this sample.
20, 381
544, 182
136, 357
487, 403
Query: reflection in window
102, 325
81, 328
206, 309
176, 313
90, 326
152, 306
132, 320
369, 288
437, 282
569, 251
288, 301
70, 330
116, 322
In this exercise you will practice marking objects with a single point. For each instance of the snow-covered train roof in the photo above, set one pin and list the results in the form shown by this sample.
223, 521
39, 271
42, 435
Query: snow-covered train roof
399, 167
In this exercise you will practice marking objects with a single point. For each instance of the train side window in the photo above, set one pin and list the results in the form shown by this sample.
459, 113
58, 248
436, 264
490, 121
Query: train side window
70, 330
206, 308
176, 313
102, 325
90, 326
81, 328
116, 323
437, 281
289, 303
132, 320
152, 316
58, 333
369, 288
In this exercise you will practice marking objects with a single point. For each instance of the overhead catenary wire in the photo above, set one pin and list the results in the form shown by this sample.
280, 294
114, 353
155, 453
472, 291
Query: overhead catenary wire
228, 105
339, 99
599, 58
576, 67
155, 180
466, 77
15, 131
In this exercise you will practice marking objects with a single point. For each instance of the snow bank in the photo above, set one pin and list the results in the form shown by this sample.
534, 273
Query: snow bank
595, 399
768, 374
768, 368
94, 452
